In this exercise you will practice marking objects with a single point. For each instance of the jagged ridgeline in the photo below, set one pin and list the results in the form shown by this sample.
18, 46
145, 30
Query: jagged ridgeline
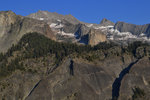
38, 56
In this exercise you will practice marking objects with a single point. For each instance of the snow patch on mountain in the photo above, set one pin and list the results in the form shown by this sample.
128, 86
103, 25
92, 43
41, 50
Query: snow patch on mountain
58, 20
56, 25
103, 27
53, 25
89, 25
41, 18
114, 34
59, 27
66, 34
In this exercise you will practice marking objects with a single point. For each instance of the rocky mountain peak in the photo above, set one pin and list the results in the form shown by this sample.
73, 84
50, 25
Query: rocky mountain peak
7, 12
52, 17
106, 22
7, 16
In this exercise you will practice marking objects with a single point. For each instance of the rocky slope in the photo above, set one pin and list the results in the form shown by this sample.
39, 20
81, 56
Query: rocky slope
13, 27
70, 29
82, 73
135, 85
67, 27
53, 17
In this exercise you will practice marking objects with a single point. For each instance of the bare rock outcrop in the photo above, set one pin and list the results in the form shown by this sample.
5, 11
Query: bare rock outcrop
96, 36
136, 84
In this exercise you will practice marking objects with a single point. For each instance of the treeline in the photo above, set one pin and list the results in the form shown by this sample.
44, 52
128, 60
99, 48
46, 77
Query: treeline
37, 45
34, 45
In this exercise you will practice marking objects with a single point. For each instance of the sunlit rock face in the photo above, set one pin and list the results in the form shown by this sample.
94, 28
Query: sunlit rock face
96, 36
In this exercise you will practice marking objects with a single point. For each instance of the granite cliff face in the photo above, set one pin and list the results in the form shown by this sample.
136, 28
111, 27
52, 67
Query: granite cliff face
134, 29
13, 27
96, 37
135, 85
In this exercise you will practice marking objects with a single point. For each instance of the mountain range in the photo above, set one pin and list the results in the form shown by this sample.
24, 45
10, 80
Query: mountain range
49, 56
67, 28
124, 31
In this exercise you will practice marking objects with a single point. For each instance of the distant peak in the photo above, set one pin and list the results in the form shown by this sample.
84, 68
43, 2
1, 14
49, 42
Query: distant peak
104, 19
106, 22
7, 12
70, 15
121, 22
40, 11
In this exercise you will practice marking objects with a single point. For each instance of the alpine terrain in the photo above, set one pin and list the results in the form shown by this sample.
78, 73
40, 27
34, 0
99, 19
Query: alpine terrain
49, 56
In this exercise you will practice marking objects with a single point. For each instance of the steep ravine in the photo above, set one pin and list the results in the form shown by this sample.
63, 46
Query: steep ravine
117, 83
